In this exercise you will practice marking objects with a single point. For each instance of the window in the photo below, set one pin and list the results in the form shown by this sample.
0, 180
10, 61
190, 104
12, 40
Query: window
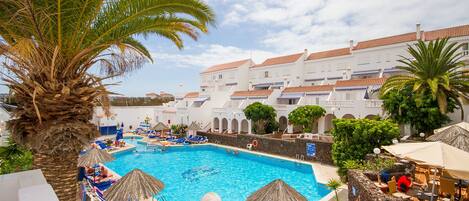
220, 76
317, 100
291, 101
266, 74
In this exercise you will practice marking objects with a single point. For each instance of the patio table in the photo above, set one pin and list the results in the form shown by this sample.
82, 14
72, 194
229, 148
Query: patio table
383, 186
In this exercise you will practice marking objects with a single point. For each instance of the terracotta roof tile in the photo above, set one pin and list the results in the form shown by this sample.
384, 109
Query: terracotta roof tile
280, 60
360, 82
314, 88
252, 93
329, 53
225, 66
447, 32
192, 95
386, 41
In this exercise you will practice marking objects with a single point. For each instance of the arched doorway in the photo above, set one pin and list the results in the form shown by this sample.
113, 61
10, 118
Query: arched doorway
348, 116
328, 122
234, 126
244, 126
216, 124
372, 117
283, 123
224, 125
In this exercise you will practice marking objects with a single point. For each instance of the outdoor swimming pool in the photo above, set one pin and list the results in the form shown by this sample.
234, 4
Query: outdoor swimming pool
191, 171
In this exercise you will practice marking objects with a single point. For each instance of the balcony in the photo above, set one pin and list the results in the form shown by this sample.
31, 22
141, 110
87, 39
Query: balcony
338, 103
373, 103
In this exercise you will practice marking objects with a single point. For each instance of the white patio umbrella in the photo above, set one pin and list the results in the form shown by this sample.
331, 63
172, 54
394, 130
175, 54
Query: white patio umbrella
454, 161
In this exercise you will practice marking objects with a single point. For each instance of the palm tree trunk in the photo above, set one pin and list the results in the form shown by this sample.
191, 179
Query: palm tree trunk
60, 172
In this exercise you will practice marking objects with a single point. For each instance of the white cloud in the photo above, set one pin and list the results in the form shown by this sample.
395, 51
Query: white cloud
210, 55
321, 24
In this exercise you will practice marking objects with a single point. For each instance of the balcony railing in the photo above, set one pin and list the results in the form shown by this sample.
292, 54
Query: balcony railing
373, 103
337, 103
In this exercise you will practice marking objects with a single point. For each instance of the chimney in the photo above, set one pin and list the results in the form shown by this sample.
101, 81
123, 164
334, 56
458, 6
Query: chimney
351, 45
417, 30
306, 52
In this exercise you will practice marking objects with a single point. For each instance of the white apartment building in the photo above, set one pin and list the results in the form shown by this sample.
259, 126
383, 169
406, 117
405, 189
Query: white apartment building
343, 81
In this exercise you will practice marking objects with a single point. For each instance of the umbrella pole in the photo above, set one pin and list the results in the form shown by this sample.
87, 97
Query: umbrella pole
433, 185
460, 186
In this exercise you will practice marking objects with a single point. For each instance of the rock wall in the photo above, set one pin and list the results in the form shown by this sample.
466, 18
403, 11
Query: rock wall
289, 148
361, 188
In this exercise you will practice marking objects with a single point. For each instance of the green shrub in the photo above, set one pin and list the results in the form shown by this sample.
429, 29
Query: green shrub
178, 129
421, 111
261, 115
271, 126
14, 158
374, 165
355, 138
306, 116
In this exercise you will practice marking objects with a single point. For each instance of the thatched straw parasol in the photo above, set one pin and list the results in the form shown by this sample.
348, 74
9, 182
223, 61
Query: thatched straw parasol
456, 135
194, 127
93, 157
135, 185
160, 126
276, 190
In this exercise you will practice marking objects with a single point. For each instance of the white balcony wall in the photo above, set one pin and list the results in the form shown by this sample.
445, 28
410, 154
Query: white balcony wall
291, 74
331, 68
236, 79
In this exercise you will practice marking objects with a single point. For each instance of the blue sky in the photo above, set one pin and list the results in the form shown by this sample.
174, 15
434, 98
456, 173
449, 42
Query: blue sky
266, 28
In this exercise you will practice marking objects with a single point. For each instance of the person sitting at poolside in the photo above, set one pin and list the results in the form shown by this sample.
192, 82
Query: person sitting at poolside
89, 171
404, 183
104, 173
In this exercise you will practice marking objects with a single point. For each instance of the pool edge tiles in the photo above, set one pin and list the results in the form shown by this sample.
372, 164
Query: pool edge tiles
322, 172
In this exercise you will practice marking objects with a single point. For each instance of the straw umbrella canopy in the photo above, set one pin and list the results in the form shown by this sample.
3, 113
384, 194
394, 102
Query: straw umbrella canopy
160, 126
135, 185
276, 190
452, 160
456, 135
194, 127
93, 157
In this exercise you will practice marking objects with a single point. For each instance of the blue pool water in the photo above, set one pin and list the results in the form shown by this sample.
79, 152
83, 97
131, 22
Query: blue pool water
189, 172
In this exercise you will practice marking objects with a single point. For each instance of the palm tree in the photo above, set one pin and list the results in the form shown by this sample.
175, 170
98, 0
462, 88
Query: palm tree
435, 68
57, 55
334, 184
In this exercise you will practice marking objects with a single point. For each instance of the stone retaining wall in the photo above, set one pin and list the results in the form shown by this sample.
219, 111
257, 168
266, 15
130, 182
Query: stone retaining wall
363, 189
289, 148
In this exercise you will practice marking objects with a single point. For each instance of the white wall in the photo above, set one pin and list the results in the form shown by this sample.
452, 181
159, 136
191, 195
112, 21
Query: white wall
129, 115
324, 68
290, 72
217, 81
